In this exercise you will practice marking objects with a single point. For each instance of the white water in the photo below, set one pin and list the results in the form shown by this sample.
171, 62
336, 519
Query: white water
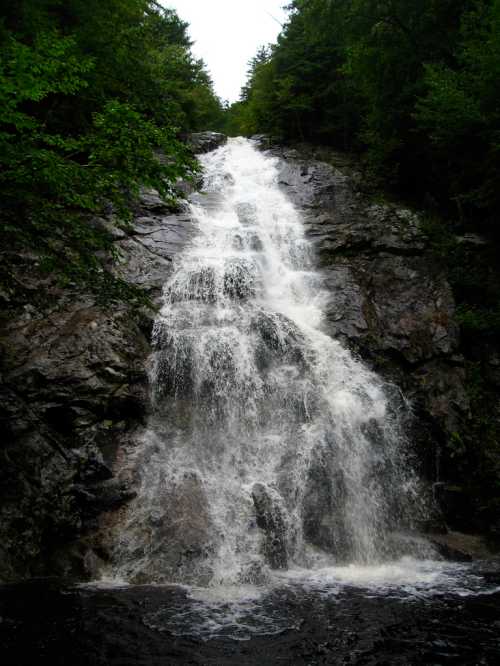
244, 611
271, 447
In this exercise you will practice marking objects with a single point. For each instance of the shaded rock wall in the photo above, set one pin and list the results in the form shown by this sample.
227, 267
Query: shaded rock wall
390, 300
74, 384
74, 391
73, 374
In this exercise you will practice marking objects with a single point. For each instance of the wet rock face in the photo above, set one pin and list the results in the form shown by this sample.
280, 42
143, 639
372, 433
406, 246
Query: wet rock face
74, 383
204, 142
179, 530
73, 392
270, 521
387, 298
146, 251
401, 303
323, 506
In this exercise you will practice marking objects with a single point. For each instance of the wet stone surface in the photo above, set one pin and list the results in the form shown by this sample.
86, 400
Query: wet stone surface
74, 391
51, 623
390, 301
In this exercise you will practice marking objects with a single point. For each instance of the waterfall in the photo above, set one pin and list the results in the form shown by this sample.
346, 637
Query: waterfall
270, 445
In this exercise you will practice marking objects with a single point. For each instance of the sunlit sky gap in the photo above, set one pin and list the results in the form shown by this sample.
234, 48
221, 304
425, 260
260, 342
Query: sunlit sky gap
227, 34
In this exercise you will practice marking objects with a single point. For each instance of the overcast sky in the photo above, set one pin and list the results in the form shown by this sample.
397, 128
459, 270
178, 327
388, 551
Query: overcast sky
227, 33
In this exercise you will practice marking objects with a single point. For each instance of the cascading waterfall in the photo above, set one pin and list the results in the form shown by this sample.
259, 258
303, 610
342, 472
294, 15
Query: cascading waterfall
270, 445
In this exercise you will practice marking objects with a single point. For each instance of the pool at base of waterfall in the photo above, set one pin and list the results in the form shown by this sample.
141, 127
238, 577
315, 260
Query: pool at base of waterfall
403, 612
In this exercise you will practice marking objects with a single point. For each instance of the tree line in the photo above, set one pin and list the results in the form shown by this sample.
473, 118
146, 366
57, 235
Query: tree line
413, 85
90, 93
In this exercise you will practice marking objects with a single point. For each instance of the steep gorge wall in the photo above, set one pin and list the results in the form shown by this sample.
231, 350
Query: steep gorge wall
74, 387
390, 300
73, 391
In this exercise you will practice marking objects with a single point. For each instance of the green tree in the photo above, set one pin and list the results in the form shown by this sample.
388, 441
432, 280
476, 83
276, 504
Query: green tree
90, 91
460, 112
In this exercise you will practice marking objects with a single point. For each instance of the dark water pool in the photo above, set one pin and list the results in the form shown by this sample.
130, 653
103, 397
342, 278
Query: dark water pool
451, 618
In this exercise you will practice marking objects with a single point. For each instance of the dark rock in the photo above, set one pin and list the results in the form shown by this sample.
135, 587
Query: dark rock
204, 142
449, 553
323, 505
104, 496
70, 377
239, 278
461, 547
178, 546
92, 467
280, 339
387, 297
455, 506
73, 392
145, 256
270, 520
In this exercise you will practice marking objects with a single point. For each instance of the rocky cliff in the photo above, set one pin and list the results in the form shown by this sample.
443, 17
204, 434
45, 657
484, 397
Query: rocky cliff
392, 303
73, 390
390, 300
74, 383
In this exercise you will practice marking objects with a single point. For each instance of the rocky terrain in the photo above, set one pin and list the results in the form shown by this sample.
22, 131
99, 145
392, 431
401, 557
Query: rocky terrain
74, 383
391, 303
390, 300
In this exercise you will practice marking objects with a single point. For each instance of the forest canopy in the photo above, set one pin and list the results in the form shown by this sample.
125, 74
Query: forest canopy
412, 85
90, 93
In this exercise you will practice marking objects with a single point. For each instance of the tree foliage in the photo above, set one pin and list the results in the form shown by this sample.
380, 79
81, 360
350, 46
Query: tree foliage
90, 92
412, 85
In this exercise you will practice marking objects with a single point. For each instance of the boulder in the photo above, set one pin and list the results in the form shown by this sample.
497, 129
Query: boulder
204, 142
270, 520
323, 502
173, 541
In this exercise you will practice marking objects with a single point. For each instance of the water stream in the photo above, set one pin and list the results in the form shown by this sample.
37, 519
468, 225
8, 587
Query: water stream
270, 447
277, 508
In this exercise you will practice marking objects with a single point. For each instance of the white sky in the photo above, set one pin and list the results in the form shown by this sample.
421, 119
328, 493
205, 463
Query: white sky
227, 34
